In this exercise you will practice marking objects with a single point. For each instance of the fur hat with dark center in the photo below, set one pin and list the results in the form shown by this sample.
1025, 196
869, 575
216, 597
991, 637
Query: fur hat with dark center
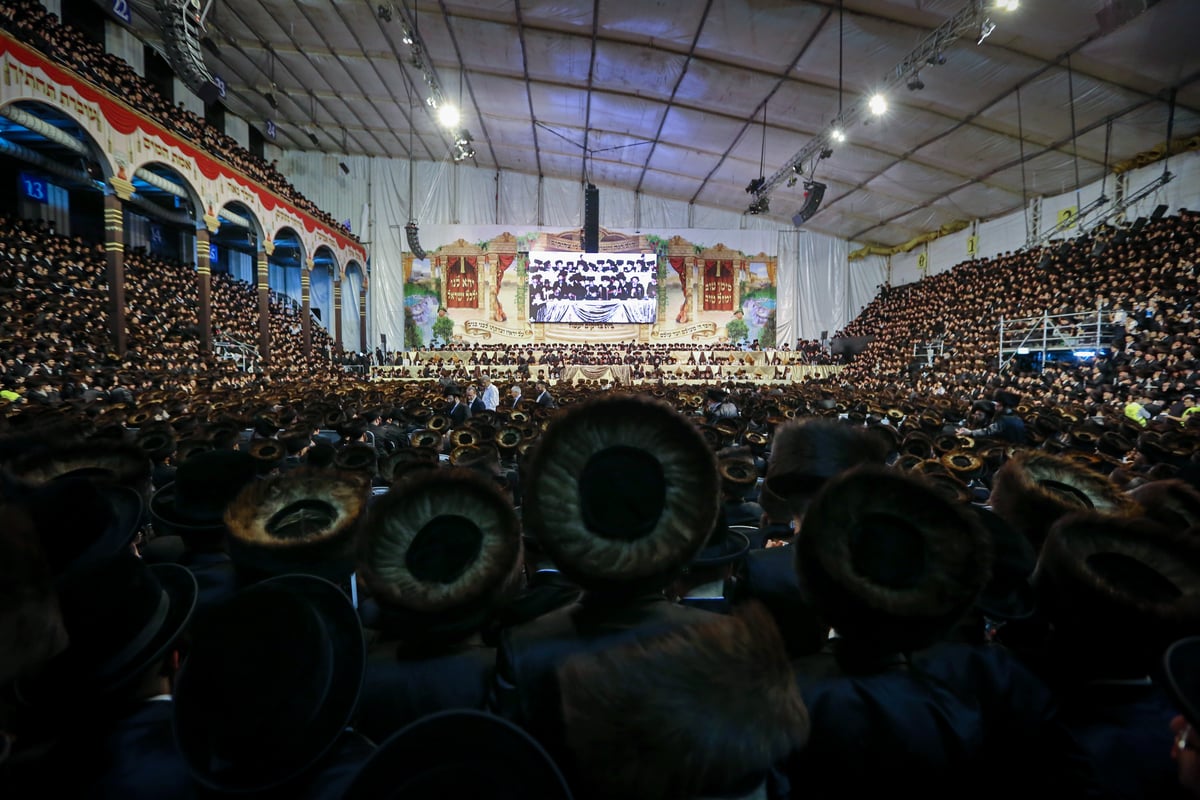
621, 491
1032, 490
440, 549
889, 561
1173, 503
106, 463
1117, 590
705, 710
301, 521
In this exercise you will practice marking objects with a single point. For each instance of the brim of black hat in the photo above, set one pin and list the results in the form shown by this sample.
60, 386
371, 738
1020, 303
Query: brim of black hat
65, 680
735, 545
334, 715
164, 514
462, 753
1182, 666
128, 510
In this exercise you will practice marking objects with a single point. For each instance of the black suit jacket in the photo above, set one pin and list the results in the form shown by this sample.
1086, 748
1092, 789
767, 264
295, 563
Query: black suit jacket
769, 576
477, 406
404, 683
458, 413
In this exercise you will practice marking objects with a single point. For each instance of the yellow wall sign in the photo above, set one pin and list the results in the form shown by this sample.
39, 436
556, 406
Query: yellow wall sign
972, 245
1066, 217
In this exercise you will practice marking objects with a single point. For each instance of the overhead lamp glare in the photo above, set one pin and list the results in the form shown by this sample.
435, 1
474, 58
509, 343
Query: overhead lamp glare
448, 116
877, 104
1008, 5
838, 135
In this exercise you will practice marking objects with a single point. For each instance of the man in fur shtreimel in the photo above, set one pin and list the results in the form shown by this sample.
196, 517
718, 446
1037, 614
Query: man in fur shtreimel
621, 493
438, 554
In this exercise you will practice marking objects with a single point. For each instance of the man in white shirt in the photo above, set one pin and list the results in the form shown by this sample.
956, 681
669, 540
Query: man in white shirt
491, 395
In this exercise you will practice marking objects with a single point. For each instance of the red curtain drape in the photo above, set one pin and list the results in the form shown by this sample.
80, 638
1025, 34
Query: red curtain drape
503, 262
462, 282
718, 285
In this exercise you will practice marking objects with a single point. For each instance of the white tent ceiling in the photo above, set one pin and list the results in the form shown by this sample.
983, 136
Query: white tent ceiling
667, 97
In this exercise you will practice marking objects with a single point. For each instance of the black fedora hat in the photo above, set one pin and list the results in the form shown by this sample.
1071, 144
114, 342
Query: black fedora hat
247, 717
889, 561
205, 484
79, 523
723, 546
121, 616
463, 753
621, 491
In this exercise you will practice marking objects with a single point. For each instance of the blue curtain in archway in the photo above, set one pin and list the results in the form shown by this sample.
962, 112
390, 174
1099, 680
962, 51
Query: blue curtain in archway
320, 295
351, 286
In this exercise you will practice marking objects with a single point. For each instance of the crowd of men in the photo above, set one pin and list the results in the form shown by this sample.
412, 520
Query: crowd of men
29, 21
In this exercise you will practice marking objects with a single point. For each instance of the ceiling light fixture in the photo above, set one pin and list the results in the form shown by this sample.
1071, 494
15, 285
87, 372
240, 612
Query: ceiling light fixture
838, 135
448, 116
915, 84
1008, 5
930, 50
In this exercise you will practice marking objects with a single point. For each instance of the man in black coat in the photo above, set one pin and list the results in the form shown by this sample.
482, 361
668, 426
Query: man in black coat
637, 468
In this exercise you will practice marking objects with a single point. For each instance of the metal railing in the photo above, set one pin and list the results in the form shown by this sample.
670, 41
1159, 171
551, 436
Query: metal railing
245, 356
1050, 333
926, 352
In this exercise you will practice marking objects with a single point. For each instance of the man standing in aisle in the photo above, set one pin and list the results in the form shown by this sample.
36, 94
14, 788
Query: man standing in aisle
544, 398
491, 395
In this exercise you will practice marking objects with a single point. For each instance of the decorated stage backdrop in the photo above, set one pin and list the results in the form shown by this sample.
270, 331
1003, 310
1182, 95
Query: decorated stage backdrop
485, 286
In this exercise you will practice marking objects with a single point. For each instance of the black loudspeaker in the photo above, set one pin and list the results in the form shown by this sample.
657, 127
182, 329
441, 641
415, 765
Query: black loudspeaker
591, 219
414, 244
209, 93
814, 193
1158, 212
383, 340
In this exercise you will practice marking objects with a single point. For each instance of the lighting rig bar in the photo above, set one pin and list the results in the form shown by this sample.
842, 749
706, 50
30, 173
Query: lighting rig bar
974, 18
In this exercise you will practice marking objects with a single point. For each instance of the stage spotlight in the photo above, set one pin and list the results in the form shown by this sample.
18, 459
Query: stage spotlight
1008, 5
407, 36
271, 101
448, 116
761, 205
343, 167
838, 135
915, 84
877, 104
936, 60
756, 184
312, 137
826, 152
384, 13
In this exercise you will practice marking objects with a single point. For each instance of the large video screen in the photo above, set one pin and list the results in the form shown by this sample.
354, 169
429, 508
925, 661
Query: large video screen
592, 287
